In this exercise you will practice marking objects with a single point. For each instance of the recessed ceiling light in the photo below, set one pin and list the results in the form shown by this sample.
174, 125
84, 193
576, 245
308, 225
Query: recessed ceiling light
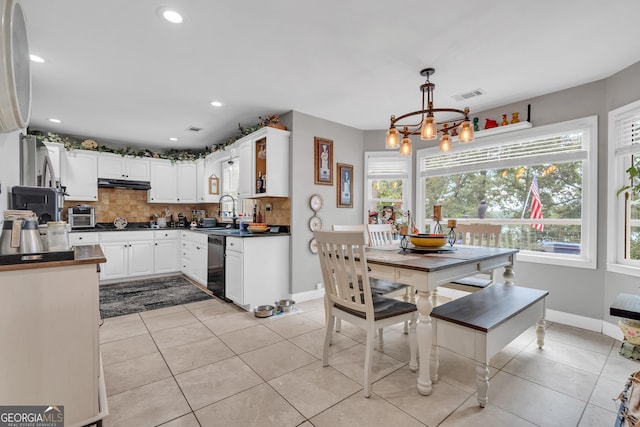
216, 103
52, 120
173, 139
36, 58
170, 15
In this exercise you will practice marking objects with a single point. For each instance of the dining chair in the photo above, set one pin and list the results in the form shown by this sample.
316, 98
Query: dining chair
380, 234
476, 235
378, 285
349, 297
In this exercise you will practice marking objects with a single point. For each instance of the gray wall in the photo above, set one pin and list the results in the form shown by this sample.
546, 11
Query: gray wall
347, 148
578, 291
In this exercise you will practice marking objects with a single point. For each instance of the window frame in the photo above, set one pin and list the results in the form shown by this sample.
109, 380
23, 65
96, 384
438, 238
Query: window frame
619, 160
589, 216
406, 179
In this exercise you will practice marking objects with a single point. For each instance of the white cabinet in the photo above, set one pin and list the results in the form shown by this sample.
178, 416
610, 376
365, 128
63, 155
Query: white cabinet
234, 280
186, 172
80, 175
164, 182
165, 251
201, 186
270, 159
193, 255
128, 254
248, 285
50, 341
88, 238
245, 180
212, 168
114, 166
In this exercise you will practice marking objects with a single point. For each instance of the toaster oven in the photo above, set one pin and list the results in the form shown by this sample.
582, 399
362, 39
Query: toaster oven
81, 216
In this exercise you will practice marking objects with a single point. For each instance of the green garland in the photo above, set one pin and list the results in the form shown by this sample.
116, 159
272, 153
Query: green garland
73, 143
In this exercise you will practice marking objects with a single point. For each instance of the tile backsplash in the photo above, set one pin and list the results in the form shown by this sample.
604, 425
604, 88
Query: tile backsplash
132, 205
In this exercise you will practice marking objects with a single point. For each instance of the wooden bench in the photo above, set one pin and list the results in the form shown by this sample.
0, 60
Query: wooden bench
481, 324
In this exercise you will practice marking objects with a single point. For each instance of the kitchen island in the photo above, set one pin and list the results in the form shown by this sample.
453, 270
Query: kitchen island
50, 351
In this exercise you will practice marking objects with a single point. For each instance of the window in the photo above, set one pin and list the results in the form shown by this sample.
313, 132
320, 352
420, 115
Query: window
388, 187
623, 210
503, 170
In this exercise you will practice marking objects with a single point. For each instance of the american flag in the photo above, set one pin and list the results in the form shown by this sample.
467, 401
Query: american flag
536, 205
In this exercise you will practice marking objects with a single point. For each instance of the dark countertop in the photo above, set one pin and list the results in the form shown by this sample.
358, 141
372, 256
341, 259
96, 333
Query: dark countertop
218, 231
81, 254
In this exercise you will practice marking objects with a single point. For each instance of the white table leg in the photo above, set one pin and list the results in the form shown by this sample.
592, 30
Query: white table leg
482, 383
540, 330
424, 335
508, 274
413, 346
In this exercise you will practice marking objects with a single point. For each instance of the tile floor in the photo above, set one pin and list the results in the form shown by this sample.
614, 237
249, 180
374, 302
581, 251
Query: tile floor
211, 364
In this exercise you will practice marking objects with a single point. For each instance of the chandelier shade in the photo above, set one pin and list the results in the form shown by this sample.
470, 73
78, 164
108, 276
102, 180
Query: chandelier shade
428, 127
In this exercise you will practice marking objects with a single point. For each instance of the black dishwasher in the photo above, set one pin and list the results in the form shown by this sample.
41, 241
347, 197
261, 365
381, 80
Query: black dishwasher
215, 265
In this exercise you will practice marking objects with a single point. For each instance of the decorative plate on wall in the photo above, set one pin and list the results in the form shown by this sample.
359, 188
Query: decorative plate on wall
315, 223
315, 202
313, 246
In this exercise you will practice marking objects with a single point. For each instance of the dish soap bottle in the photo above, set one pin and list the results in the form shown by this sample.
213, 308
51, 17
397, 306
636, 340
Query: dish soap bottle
241, 222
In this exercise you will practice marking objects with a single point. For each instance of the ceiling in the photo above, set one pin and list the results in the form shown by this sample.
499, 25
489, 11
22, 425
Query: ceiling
118, 73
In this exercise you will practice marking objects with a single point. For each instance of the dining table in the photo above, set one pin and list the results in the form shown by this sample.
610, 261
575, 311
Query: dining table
427, 268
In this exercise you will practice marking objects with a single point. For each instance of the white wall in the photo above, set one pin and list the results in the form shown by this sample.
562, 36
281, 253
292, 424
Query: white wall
577, 291
347, 148
9, 166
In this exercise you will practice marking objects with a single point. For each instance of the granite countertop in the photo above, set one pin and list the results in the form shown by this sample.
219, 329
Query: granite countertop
218, 231
80, 254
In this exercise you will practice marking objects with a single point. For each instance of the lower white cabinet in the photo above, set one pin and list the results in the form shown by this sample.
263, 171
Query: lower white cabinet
193, 255
165, 251
257, 270
128, 254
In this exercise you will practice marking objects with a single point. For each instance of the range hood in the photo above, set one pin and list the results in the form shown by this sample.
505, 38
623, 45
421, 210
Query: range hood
123, 183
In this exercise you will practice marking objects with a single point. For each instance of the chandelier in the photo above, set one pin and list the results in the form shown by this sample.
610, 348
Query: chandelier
428, 127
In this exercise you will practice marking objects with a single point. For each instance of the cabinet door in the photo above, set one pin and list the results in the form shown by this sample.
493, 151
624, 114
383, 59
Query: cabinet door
234, 283
116, 265
245, 180
140, 260
80, 175
164, 186
199, 266
111, 166
165, 256
201, 186
186, 182
212, 167
137, 169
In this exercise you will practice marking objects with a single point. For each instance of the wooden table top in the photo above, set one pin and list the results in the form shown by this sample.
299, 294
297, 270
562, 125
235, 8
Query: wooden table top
460, 255
84, 254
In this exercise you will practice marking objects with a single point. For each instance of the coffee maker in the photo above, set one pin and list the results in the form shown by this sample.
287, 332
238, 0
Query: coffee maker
46, 202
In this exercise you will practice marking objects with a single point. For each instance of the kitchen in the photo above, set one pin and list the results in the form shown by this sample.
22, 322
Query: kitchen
587, 98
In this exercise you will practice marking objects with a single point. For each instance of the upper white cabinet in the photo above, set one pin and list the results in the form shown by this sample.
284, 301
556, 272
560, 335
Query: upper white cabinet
164, 182
209, 167
270, 163
245, 179
114, 166
80, 175
186, 182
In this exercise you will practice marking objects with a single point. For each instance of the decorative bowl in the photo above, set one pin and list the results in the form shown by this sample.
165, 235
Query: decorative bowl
429, 240
257, 229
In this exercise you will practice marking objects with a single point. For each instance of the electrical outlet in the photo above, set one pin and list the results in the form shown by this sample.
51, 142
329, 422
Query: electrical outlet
318, 286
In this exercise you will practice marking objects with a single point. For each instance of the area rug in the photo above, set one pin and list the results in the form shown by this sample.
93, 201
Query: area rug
123, 298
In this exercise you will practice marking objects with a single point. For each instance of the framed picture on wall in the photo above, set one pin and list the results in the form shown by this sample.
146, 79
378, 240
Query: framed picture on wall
214, 185
345, 186
323, 161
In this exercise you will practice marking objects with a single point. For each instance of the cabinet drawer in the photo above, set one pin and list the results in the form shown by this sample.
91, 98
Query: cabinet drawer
125, 236
192, 236
235, 244
83, 238
165, 234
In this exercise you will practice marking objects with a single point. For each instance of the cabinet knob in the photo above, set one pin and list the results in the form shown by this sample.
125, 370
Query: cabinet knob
156, 244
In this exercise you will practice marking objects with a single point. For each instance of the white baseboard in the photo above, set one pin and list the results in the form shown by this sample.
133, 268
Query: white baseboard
308, 295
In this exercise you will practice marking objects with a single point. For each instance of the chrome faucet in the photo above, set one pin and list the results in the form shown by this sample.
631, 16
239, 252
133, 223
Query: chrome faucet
233, 207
